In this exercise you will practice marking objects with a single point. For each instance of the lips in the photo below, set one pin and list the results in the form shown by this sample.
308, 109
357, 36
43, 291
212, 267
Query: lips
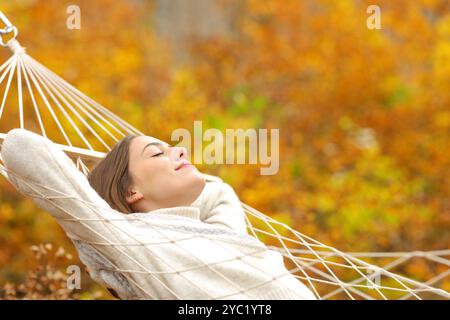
184, 163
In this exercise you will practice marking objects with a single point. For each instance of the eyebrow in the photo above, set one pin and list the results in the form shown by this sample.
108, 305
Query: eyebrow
155, 143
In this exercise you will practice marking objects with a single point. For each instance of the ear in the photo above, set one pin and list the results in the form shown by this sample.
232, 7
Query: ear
134, 196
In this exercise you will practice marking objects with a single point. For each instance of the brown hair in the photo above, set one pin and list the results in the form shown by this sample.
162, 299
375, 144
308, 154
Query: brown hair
111, 178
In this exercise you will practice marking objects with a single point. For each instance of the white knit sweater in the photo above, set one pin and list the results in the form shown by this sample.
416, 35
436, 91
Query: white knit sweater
201, 251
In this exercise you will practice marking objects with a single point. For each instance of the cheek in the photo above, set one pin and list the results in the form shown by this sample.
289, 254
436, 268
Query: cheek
155, 175
158, 180
155, 170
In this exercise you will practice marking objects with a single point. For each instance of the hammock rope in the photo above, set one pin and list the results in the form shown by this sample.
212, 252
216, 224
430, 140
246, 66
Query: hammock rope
85, 131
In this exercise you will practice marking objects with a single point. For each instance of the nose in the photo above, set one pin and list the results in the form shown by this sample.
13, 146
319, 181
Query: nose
179, 153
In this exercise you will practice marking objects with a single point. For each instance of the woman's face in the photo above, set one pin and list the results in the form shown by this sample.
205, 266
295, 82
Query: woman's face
162, 176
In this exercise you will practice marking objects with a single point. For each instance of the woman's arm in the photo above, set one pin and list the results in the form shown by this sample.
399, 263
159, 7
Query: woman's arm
51, 179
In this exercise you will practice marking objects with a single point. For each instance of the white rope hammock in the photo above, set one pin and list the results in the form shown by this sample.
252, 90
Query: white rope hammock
47, 104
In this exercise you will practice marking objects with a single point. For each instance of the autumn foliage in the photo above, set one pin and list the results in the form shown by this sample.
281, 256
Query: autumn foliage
364, 115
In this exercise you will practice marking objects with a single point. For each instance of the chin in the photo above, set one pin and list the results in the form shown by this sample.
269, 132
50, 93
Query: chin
197, 180
199, 177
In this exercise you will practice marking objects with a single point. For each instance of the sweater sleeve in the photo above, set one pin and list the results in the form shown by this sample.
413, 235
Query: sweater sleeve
46, 174
219, 205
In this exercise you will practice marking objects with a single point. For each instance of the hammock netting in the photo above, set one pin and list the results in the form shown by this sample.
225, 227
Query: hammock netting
44, 103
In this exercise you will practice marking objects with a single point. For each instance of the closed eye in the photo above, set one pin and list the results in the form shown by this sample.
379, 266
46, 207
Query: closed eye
158, 154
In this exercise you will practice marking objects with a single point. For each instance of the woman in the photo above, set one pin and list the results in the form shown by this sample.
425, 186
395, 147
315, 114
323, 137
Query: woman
172, 235
144, 175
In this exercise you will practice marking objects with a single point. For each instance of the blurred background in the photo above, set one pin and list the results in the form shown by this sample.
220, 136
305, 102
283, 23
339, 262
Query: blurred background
364, 115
